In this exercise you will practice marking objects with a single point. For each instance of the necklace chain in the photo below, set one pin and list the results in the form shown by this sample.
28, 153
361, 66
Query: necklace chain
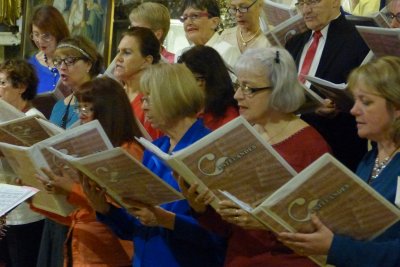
245, 42
282, 130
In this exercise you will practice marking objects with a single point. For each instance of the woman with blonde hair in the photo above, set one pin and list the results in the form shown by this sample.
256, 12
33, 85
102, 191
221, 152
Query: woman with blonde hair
166, 235
376, 90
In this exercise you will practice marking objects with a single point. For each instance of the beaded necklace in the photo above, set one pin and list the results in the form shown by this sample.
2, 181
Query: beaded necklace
53, 70
380, 166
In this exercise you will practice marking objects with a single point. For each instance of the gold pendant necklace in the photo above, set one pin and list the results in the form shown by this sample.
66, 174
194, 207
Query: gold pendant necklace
244, 42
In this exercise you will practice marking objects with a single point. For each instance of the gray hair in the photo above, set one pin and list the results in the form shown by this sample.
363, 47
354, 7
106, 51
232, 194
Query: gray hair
278, 65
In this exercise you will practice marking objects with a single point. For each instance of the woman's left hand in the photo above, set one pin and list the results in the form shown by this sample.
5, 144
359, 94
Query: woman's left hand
316, 243
232, 213
152, 216
56, 184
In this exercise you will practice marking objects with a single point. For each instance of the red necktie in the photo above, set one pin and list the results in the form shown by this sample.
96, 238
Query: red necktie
308, 59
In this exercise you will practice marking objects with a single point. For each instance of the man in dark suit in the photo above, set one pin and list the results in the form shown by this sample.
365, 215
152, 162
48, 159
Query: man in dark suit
338, 50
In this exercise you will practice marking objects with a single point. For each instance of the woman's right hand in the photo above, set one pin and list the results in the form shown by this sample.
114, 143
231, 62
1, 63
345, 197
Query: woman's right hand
95, 195
198, 202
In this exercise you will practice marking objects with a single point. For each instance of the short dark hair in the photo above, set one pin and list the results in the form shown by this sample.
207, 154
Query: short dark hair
149, 45
211, 6
111, 108
48, 19
207, 62
20, 72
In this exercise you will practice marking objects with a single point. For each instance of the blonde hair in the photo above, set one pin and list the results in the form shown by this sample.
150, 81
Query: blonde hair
381, 76
174, 93
154, 14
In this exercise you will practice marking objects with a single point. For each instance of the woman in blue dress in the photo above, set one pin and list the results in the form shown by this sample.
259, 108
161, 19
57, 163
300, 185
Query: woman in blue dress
47, 28
166, 235
376, 90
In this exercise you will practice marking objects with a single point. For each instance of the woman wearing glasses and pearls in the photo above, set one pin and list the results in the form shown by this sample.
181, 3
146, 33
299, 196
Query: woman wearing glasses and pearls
89, 242
248, 33
47, 28
201, 20
268, 93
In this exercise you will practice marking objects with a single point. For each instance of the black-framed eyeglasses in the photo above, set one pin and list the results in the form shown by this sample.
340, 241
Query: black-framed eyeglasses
392, 16
249, 91
84, 110
68, 61
310, 3
194, 16
234, 10
45, 37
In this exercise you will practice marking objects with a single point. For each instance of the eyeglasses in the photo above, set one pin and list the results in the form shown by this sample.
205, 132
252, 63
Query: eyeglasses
199, 78
3, 83
392, 16
68, 61
145, 100
310, 3
45, 37
84, 110
249, 91
234, 10
194, 16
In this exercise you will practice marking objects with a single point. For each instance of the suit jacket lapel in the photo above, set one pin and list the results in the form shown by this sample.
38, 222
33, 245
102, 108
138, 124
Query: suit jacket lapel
333, 45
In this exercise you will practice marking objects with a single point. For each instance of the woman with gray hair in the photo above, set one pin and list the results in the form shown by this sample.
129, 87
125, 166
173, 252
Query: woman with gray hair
268, 93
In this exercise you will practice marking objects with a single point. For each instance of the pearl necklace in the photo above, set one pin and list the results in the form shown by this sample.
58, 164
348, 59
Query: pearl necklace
244, 42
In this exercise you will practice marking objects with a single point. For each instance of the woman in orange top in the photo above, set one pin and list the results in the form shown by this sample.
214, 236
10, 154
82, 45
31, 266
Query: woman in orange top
89, 242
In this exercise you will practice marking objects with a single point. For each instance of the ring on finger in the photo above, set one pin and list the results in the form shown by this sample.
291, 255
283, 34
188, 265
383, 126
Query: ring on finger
49, 186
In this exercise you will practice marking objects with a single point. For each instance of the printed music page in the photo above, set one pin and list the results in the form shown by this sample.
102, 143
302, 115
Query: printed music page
9, 112
344, 203
336, 92
27, 130
250, 168
13, 195
286, 30
382, 41
277, 13
27, 161
124, 177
